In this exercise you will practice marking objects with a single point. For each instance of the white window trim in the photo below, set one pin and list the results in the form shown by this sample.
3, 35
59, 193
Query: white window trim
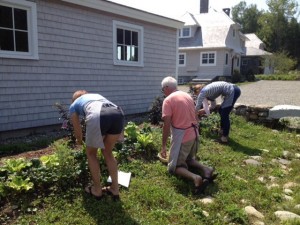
30, 7
128, 26
184, 55
208, 64
181, 33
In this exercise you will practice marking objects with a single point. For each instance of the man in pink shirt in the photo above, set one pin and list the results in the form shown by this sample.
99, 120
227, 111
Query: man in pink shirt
179, 116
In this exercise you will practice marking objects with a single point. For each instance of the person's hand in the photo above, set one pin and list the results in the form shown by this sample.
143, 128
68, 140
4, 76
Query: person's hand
163, 153
201, 112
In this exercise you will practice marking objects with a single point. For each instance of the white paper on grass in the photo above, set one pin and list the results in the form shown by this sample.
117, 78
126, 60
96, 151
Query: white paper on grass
123, 178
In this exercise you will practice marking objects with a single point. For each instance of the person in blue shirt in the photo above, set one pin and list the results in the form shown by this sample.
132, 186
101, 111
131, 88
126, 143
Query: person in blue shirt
104, 125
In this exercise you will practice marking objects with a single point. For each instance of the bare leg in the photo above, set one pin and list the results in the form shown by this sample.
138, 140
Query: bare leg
183, 172
205, 170
109, 143
94, 170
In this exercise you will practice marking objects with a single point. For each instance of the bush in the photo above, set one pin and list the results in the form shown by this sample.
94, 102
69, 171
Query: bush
155, 111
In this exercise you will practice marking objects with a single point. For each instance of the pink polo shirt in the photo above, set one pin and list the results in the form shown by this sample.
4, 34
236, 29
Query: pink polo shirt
180, 106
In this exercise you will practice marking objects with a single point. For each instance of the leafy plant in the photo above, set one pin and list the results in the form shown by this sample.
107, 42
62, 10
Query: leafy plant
50, 160
131, 131
15, 165
19, 184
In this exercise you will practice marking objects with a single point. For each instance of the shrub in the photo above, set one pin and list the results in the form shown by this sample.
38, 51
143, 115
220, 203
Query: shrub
66, 122
155, 111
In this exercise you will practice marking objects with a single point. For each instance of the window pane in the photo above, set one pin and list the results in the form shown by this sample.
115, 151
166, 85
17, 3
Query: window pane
6, 17
21, 41
135, 38
127, 37
204, 61
185, 32
204, 56
211, 55
20, 16
120, 39
135, 54
211, 61
120, 52
6, 40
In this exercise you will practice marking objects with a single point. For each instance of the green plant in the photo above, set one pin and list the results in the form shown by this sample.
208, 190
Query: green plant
131, 132
210, 125
15, 165
236, 76
18, 183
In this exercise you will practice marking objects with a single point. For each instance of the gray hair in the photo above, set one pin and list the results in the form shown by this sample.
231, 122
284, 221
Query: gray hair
169, 81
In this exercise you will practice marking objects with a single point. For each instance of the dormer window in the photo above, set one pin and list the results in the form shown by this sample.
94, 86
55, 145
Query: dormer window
185, 32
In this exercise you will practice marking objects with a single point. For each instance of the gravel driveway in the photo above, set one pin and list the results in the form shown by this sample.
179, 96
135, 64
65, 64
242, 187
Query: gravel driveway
270, 93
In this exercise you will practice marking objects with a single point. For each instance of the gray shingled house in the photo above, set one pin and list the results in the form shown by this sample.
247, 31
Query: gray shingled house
210, 45
255, 60
50, 48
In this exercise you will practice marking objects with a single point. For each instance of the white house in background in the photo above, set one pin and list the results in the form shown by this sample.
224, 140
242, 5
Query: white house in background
49, 49
253, 61
210, 45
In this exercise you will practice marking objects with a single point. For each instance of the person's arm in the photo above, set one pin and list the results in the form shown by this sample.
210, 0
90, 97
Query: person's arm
165, 135
206, 107
212, 104
77, 127
199, 102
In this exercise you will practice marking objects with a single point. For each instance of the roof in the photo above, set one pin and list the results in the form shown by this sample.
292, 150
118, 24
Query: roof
250, 51
213, 32
254, 41
129, 12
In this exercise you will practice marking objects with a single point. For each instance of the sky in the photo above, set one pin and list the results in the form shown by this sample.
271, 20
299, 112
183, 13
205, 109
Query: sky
177, 8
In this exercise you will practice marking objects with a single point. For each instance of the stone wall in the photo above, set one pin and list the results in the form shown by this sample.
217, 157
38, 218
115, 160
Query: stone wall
256, 113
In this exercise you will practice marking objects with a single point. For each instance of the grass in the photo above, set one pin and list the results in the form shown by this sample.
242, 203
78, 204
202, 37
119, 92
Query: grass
155, 197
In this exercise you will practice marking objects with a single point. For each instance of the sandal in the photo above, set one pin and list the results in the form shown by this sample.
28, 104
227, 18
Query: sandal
221, 142
88, 190
211, 178
200, 189
109, 192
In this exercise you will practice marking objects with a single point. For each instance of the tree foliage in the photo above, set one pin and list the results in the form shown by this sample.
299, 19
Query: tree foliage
277, 27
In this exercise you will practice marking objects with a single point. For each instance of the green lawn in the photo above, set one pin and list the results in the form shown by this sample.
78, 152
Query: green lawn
155, 197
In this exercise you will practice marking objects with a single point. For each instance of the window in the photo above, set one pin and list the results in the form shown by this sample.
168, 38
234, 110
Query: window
181, 59
18, 29
233, 33
185, 32
208, 59
128, 44
226, 59
238, 62
244, 62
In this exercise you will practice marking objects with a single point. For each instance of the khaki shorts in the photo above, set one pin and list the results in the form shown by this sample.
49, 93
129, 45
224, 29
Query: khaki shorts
187, 152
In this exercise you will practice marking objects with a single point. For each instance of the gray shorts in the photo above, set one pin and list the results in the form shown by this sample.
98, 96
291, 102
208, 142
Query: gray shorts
187, 152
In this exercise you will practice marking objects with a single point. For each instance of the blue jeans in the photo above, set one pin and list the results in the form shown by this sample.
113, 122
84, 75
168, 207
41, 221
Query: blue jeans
224, 112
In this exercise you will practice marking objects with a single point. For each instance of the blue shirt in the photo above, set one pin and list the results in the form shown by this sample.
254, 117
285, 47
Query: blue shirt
79, 104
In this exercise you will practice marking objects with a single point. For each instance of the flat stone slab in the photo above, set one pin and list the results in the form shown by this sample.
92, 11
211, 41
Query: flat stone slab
280, 111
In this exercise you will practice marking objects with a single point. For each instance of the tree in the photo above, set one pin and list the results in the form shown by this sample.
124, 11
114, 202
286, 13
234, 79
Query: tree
247, 16
274, 24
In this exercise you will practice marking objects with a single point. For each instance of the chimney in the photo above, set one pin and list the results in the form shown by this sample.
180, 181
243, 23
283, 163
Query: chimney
204, 6
227, 11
